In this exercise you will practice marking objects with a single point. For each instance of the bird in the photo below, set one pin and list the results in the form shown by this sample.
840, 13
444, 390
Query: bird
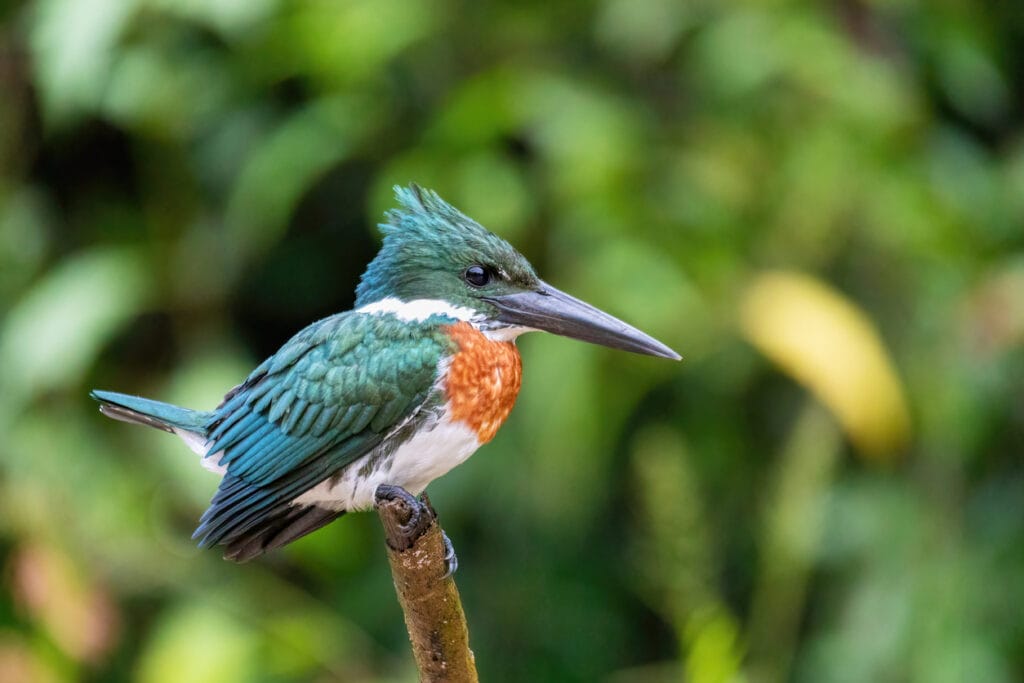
383, 399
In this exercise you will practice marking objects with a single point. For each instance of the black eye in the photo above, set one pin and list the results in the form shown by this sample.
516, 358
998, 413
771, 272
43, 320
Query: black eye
478, 276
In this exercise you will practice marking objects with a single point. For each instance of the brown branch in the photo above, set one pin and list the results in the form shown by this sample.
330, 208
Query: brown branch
429, 599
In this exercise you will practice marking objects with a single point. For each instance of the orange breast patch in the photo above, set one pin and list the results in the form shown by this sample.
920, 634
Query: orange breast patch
483, 380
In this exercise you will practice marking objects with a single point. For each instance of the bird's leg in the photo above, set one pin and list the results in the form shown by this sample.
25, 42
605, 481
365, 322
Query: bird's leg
421, 514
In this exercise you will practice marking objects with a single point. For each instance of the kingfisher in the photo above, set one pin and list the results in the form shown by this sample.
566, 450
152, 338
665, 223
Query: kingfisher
385, 398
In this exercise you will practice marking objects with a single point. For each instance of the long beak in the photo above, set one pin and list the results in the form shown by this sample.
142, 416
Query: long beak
554, 311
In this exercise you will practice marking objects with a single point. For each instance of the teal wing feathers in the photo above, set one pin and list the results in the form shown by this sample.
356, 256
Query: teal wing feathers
343, 376
328, 396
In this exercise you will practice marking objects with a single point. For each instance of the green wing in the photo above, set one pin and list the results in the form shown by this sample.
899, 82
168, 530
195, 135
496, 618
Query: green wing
343, 376
328, 396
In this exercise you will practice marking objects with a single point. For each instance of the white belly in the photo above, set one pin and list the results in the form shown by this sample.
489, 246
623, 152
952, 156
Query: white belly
419, 461
428, 455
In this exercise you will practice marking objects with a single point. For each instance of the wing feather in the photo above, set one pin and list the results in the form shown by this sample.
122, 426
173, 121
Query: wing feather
330, 395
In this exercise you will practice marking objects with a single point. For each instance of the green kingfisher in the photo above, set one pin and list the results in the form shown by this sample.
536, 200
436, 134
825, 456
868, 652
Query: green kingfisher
386, 397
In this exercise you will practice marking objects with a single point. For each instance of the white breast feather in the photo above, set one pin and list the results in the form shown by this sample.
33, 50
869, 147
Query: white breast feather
428, 455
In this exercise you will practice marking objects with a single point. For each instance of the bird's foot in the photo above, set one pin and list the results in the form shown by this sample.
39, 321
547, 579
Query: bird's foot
451, 561
420, 514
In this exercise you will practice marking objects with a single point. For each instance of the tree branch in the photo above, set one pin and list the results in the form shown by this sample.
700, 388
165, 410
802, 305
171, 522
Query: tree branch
429, 599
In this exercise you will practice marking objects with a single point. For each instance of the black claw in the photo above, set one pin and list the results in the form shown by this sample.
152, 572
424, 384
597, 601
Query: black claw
421, 516
389, 492
420, 513
451, 561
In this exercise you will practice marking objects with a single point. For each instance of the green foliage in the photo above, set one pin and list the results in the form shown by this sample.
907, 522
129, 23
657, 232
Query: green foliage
820, 205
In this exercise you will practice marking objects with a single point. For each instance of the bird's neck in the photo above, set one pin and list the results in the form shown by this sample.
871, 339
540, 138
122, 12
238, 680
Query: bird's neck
422, 310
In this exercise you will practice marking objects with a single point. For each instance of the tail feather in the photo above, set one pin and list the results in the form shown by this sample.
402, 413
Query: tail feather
144, 411
246, 519
279, 530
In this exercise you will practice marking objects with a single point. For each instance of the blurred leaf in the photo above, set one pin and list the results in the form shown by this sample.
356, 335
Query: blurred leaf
674, 544
234, 18
77, 614
715, 652
969, 75
821, 184
994, 311
301, 642
790, 542
80, 488
340, 42
551, 410
286, 164
19, 664
25, 218
676, 559
642, 30
914, 590
827, 344
494, 192
164, 93
738, 52
73, 45
54, 332
480, 111
665, 672
590, 136
965, 180
757, 50
200, 644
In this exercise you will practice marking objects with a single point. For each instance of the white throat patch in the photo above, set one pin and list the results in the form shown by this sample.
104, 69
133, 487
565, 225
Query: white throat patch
506, 334
418, 310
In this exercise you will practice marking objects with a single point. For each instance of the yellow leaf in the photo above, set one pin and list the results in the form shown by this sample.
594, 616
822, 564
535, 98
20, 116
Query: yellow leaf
829, 345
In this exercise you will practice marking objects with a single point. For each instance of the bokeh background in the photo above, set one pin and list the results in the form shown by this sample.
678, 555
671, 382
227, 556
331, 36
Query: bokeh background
819, 204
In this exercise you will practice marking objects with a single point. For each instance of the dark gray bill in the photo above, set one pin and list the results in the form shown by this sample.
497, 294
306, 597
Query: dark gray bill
554, 311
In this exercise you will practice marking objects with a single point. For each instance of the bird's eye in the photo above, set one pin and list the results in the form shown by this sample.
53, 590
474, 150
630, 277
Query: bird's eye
477, 276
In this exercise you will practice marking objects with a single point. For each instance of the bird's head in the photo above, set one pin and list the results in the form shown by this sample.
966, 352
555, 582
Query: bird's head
435, 258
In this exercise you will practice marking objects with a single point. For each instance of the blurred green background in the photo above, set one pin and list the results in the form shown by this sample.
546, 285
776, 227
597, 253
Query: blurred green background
819, 204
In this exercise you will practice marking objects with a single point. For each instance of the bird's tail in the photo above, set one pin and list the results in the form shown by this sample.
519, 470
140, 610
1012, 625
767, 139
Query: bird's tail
144, 411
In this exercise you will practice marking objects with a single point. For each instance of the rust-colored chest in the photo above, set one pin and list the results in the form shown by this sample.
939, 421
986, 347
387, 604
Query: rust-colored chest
483, 380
